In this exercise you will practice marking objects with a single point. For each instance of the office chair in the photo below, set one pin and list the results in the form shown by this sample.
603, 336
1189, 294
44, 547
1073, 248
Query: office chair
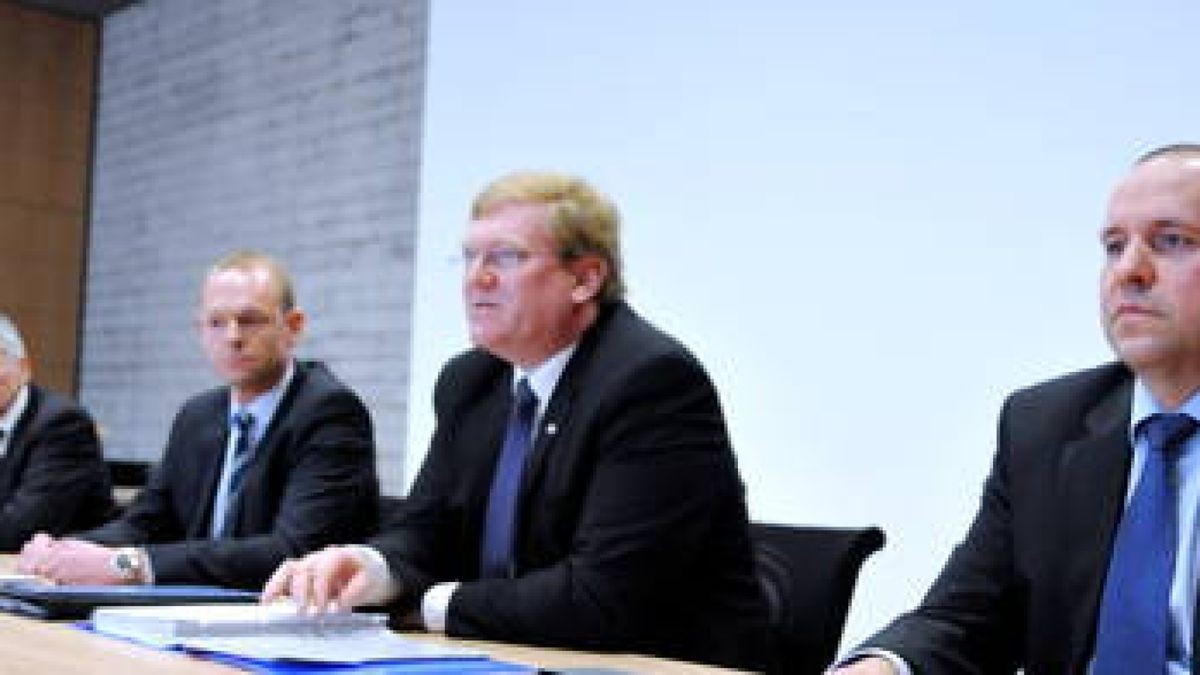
807, 575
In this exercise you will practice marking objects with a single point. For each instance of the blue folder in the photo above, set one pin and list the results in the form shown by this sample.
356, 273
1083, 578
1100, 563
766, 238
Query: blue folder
47, 601
464, 664
451, 665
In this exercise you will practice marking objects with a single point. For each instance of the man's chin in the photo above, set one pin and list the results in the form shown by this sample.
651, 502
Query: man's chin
1140, 353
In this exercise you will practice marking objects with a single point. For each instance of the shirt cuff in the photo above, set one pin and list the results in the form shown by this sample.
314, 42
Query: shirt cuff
147, 567
381, 587
436, 604
897, 662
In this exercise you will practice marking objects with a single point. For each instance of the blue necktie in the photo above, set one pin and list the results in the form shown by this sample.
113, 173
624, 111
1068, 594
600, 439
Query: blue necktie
225, 511
496, 556
1132, 629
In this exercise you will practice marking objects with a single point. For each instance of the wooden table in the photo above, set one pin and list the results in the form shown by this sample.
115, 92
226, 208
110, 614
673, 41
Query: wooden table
31, 647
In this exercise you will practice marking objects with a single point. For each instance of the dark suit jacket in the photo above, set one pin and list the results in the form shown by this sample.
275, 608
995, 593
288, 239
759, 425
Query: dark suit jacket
310, 483
633, 531
1023, 589
52, 478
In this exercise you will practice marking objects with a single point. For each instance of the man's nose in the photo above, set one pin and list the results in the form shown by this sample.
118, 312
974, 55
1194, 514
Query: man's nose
1134, 266
479, 274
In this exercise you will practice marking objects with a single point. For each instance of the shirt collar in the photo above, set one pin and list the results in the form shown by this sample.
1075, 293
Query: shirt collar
543, 377
263, 406
8, 421
1145, 405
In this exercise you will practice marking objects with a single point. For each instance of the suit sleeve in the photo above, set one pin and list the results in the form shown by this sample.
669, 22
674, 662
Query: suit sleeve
148, 518
971, 619
661, 475
151, 516
420, 539
65, 467
330, 495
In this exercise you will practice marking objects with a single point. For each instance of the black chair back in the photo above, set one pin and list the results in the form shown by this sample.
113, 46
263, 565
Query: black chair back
808, 576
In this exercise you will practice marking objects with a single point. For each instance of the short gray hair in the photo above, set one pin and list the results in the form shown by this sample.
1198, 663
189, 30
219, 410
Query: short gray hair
10, 338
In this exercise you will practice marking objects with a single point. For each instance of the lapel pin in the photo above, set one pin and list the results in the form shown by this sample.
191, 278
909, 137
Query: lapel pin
551, 428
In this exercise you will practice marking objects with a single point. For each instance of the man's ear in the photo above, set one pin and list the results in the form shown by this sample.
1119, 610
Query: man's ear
591, 271
295, 320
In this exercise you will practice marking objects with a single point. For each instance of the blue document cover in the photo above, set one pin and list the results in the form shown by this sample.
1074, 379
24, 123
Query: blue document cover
464, 665
48, 601
455, 664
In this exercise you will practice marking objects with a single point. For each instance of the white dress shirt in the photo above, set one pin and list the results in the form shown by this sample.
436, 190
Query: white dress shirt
8, 421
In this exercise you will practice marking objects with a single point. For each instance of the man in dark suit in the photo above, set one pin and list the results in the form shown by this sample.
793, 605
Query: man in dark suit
580, 489
52, 473
1064, 569
278, 463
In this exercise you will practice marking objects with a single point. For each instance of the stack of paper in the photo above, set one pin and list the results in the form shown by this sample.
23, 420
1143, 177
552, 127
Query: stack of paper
270, 632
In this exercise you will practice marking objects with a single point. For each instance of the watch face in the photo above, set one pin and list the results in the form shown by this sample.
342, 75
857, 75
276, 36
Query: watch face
126, 564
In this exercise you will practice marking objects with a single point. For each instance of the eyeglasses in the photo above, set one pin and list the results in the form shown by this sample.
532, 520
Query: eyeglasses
503, 258
247, 323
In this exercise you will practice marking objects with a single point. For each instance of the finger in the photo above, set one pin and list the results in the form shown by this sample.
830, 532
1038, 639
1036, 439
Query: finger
324, 581
299, 584
355, 590
277, 586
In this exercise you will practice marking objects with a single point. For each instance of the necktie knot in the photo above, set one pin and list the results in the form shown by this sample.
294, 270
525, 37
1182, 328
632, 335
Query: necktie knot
1167, 432
524, 401
242, 422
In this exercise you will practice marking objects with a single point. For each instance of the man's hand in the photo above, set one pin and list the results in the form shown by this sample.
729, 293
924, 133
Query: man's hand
871, 665
36, 550
337, 578
69, 561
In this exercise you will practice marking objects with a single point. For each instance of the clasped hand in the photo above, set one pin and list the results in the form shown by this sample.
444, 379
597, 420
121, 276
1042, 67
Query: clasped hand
68, 561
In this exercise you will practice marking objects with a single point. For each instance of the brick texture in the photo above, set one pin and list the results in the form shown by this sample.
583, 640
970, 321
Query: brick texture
289, 126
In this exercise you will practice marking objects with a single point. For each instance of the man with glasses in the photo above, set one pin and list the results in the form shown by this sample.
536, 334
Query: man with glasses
52, 473
277, 463
580, 489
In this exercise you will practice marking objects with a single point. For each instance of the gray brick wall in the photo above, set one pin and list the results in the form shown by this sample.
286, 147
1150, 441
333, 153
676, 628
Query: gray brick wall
291, 126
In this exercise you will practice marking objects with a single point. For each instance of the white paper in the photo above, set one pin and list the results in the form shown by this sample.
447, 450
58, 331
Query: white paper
270, 632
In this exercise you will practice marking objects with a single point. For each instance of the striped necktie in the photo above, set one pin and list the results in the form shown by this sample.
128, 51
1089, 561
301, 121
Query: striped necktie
225, 511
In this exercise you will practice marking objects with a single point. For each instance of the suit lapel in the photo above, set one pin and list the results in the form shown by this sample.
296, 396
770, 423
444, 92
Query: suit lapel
546, 435
1092, 481
210, 443
486, 431
18, 442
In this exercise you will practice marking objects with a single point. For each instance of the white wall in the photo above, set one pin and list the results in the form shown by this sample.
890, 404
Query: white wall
871, 220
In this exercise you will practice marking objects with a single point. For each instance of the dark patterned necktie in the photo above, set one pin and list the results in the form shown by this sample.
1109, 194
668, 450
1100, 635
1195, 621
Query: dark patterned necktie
1132, 629
242, 423
499, 527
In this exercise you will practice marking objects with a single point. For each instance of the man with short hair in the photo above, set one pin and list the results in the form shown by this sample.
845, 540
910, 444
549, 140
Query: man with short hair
1083, 555
580, 489
277, 463
52, 472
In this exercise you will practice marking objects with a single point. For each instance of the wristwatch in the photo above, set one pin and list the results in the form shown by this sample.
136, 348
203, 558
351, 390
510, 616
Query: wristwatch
127, 563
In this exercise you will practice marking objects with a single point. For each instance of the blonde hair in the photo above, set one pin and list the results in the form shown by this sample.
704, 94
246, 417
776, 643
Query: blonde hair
246, 260
582, 219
